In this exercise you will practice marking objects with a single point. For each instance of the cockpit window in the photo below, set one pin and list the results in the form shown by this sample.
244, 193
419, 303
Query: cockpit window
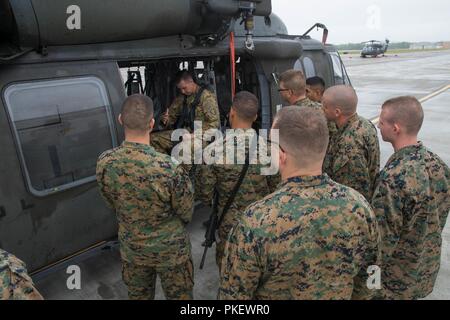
299, 66
310, 71
340, 74
61, 127
337, 67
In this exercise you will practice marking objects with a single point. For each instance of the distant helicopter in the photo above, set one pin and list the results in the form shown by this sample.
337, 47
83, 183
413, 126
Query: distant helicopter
61, 87
374, 48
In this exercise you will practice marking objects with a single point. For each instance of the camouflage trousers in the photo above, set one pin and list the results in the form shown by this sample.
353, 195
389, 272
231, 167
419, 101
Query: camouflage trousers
220, 251
227, 225
177, 282
162, 142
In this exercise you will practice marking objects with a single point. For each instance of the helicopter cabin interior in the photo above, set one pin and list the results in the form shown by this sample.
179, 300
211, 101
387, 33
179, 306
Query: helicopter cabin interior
156, 80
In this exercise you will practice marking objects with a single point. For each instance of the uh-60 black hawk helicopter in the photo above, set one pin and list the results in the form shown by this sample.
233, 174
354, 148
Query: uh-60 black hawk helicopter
61, 91
374, 48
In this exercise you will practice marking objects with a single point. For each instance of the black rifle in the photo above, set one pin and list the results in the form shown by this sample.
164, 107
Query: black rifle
214, 220
210, 235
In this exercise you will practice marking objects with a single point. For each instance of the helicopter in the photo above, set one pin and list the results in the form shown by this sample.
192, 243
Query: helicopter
374, 48
62, 69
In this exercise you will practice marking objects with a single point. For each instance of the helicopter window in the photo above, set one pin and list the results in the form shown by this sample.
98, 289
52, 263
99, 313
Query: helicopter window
61, 127
340, 74
298, 66
310, 71
337, 67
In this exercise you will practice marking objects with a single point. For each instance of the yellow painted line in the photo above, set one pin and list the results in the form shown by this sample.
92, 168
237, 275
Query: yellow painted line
68, 258
422, 100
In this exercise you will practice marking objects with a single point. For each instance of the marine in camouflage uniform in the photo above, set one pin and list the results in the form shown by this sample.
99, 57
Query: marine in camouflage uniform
207, 111
153, 199
353, 156
293, 92
15, 283
311, 239
411, 202
223, 179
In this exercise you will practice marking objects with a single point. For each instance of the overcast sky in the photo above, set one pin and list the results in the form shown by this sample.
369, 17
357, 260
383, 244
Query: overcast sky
362, 20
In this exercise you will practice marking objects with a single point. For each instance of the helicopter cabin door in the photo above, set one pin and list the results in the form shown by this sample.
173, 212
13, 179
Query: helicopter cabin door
55, 120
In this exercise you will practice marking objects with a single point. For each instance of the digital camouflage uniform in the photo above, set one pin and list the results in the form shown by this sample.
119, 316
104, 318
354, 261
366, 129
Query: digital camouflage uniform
353, 156
311, 239
306, 102
15, 283
411, 202
223, 178
207, 111
153, 200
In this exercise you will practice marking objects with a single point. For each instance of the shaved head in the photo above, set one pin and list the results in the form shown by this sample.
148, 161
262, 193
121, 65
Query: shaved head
405, 111
303, 133
137, 113
246, 105
343, 98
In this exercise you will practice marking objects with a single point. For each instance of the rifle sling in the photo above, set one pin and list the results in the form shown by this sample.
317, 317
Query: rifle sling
234, 192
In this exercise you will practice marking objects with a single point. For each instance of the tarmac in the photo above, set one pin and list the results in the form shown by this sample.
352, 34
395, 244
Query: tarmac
423, 75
